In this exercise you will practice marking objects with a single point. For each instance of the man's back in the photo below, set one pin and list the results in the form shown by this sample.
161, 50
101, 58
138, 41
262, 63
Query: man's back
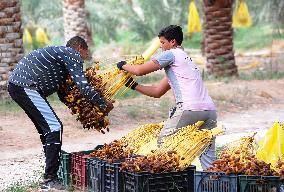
45, 69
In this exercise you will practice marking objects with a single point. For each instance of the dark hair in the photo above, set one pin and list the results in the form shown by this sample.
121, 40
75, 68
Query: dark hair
172, 32
75, 41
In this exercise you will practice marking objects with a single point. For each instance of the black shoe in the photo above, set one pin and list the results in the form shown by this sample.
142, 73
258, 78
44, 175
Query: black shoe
52, 185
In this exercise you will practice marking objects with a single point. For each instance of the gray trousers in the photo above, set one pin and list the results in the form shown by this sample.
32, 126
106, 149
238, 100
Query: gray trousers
179, 118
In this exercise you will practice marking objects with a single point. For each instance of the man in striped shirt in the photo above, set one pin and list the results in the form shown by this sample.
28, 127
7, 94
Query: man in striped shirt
40, 74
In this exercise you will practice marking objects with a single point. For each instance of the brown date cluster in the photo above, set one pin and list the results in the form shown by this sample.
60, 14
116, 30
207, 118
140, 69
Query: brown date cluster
112, 152
88, 113
153, 163
241, 165
280, 168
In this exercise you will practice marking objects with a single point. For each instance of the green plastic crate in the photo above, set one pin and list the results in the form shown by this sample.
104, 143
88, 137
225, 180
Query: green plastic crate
64, 168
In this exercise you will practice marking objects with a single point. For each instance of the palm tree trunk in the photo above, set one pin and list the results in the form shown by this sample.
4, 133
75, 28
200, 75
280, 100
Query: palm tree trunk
218, 38
75, 22
11, 43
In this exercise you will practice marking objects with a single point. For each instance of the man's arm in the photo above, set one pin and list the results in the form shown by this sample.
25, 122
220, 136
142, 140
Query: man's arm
61, 96
142, 69
155, 91
74, 65
160, 61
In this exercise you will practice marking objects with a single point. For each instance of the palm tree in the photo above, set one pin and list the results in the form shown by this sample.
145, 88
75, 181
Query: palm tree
11, 43
75, 22
218, 38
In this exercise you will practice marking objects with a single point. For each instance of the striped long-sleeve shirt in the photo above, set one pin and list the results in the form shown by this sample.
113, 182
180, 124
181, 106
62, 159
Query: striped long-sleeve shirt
46, 69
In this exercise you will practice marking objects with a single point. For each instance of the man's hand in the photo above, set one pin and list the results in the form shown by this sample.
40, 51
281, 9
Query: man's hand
109, 107
120, 64
61, 95
131, 83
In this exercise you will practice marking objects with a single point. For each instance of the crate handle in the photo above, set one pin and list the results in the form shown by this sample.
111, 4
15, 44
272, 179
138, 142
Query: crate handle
214, 177
261, 182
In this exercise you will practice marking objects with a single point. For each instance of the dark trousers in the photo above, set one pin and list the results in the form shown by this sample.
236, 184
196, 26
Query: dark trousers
46, 122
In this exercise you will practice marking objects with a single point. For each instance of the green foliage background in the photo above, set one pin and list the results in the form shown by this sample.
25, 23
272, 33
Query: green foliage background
137, 20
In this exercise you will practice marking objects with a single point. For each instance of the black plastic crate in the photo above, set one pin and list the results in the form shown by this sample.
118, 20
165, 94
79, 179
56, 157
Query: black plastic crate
215, 182
104, 176
259, 183
112, 175
95, 174
64, 168
179, 181
112, 178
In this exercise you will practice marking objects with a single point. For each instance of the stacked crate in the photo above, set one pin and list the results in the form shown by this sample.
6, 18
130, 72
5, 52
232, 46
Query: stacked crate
217, 182
182, 181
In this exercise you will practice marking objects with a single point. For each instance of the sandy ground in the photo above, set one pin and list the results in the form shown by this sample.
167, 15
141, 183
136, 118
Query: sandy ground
244, 107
